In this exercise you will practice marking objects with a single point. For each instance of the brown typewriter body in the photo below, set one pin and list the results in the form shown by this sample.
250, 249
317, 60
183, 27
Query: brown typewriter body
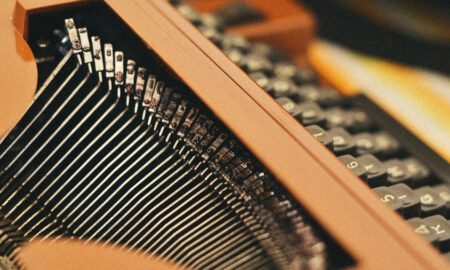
372, 234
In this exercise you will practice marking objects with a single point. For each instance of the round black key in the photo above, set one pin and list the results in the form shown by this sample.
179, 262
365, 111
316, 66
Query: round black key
329, 97
254, 63
385, 144
351, 120
355, 166
443, 191
235, 42
376, 172
290, 107
263, 49
410, 201
189, 13
263, 81
235, 56
321, 135
284, 70
389, 198
312, 114
307, 92
431, 202
304, 75
325, 97
396, 172
282, 87
212, 34
238, 13
335, 117
420, 173
365, 143
342, 141
357, 121
211, 20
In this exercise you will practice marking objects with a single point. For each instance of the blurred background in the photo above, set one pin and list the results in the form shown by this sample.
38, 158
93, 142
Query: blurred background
414, 32
396, 52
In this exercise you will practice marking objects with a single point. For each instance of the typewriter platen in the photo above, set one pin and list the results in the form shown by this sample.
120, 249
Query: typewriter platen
159, 143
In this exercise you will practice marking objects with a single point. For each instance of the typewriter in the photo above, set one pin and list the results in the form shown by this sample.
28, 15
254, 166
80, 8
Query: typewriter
146, 136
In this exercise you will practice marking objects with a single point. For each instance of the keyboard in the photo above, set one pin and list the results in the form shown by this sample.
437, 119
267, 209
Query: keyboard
155, 133
376, 148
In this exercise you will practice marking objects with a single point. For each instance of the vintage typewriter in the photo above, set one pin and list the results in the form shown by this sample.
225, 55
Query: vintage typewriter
157, 137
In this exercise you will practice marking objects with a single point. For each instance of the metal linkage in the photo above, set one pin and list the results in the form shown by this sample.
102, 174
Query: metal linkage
170, 182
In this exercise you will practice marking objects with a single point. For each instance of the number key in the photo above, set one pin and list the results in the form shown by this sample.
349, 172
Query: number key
312, 114
321, 135
354, 165
263, 81
389, 198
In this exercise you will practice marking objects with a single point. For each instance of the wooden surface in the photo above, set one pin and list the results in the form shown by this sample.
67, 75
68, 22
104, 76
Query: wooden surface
373, 234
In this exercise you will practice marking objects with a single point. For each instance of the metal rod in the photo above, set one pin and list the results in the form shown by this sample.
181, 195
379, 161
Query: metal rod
79, 86
112, 163
241, 258
85, 209
67, 181
197, 217
101, 162
129, 190
49, 101
208, 224
41, 164
144, 192
151, 211
235, 232
206, 205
